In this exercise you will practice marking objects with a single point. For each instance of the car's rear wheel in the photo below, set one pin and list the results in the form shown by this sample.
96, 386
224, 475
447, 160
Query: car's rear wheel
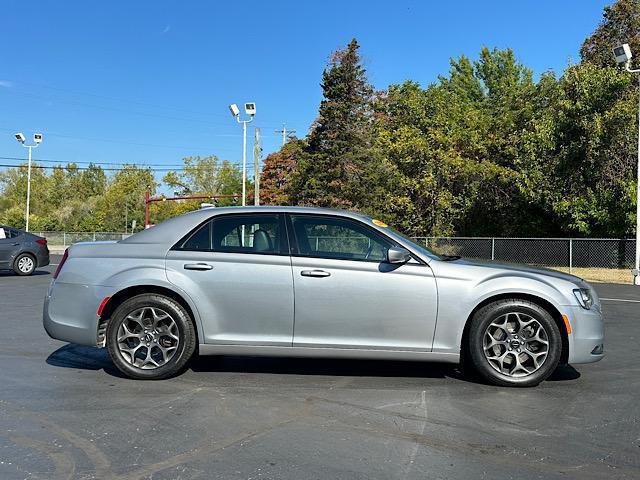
150, 336
24, 264
514, 342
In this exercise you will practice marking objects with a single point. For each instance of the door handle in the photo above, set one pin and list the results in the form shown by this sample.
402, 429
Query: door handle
15, 244
197, 266
314, 273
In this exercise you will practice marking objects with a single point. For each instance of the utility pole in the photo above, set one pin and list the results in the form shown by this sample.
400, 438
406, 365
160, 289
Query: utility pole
284, 132
257, 151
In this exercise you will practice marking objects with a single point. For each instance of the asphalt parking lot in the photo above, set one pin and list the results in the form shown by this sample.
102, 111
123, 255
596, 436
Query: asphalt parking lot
66, 413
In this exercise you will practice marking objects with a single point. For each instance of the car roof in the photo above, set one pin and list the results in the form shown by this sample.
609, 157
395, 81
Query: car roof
171, 230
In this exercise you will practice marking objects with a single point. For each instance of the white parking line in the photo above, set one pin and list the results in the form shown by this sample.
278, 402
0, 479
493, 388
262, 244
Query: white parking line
620, 300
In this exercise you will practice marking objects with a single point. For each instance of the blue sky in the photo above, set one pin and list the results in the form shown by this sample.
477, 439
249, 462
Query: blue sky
149, 82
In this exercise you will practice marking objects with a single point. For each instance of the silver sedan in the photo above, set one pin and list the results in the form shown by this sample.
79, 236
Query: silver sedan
292, 281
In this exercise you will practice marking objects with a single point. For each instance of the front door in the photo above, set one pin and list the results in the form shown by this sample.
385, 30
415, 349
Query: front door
237, 270
348, 296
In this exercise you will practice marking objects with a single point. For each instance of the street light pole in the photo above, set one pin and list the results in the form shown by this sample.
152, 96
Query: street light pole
37, 138
244, 163
250, 109
29, 147
636, 272
623, 55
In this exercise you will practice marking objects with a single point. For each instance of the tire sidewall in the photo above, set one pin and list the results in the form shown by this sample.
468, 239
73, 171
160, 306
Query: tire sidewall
17, 260
186, 334
488, 314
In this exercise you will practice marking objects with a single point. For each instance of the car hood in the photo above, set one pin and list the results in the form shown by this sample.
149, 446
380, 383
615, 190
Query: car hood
520, 268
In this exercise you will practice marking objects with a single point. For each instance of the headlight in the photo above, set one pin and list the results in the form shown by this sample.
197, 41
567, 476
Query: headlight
584, 297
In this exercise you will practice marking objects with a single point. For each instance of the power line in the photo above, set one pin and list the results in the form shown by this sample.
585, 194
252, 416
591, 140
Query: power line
117, 99
124, 110
107, 163
142, 167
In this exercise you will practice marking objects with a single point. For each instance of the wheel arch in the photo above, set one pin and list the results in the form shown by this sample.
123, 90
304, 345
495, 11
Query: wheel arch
546, 304
119, 297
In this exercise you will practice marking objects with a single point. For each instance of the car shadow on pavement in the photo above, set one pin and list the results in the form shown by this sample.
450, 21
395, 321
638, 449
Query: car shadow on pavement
11, 273
326, 367
564, 373
83, 358
94, 358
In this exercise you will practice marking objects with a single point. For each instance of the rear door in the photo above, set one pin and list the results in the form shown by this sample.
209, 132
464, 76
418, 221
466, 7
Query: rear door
348, 296
237, 269
8, 245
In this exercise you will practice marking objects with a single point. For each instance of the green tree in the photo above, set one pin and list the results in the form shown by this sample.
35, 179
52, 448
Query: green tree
206, 175
579, 158
124, 197
620, 24
453, 148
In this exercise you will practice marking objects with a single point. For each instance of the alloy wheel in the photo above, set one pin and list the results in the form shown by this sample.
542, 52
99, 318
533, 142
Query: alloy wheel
516, 344
148, 338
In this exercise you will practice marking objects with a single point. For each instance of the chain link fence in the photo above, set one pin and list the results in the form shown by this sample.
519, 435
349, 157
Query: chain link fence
64, 239
594, 259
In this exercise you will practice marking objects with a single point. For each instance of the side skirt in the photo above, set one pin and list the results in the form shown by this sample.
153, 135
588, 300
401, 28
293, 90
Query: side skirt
273, 351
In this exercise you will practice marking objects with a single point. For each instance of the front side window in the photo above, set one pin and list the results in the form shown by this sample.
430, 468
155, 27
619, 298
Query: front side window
259, 234
338, 238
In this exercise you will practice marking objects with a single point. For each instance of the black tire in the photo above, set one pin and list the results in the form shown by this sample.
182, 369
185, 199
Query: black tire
185, 331
19, 262
495, 312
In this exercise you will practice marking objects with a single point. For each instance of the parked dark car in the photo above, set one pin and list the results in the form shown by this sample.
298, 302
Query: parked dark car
22, 251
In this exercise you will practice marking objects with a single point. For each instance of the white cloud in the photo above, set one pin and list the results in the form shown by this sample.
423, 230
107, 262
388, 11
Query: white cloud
6, 84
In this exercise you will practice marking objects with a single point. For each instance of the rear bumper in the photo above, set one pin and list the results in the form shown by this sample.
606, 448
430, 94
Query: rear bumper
587, 335
69, 312
42, 257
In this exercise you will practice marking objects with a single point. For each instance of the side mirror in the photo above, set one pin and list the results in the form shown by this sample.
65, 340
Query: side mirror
398, 255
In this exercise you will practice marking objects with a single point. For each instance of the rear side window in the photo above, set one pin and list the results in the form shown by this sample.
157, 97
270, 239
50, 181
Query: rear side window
9, 232
257, 234
199, 240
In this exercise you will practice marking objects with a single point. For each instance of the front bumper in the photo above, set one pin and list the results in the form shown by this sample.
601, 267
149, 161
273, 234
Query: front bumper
587, 335
69, 311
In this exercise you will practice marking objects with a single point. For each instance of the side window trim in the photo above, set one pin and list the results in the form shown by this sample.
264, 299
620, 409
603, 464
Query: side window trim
295, 252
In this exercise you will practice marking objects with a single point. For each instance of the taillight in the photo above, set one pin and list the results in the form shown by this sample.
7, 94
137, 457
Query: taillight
41, 241
64, 259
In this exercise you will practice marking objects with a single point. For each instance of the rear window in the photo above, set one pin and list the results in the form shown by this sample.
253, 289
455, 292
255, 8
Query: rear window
257, 234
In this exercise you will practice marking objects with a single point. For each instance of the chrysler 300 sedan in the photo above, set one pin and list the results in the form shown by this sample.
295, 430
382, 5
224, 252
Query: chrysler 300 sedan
291, 281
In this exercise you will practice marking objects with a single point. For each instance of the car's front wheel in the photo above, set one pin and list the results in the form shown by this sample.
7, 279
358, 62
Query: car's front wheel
150, 336
24, 264
514, 342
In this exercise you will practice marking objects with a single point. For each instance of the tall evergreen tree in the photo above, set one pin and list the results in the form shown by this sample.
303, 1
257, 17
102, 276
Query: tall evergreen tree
338, 169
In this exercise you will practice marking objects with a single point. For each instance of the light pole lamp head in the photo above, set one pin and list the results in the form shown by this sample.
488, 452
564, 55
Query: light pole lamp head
235, 111
37, 137
622, 54
250, 108
20, 137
